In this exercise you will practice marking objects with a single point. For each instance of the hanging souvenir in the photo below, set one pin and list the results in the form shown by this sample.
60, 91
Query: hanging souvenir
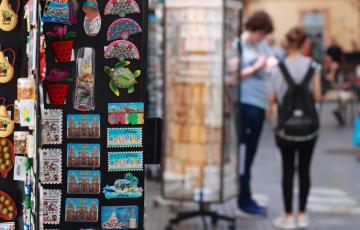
121, 7
6, 68
57, 11
92, 20
84, 93
8, 211
57, 85
7, 156
122, 78
62, 42
25, 88
122, 29
9, 18
6, 124
122, 50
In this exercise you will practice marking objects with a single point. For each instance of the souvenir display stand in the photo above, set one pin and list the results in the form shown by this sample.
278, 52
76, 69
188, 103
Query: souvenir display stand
74, 132
201, 141
94, 89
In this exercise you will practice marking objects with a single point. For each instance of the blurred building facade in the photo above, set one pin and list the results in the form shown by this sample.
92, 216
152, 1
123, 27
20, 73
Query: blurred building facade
326, 21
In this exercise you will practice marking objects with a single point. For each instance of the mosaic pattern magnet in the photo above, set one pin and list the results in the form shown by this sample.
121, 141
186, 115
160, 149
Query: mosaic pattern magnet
122, 29
124, 188
126, 113
83, 126
81, 210
83, 155
122, 49
124, 137
51, 121
51, 166
83, 181
121, 7
119, 217
51, 206
125, 161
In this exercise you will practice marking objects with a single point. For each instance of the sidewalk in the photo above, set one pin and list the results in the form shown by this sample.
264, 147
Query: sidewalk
334, 201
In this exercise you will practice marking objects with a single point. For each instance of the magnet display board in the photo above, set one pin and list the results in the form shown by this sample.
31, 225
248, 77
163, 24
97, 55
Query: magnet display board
99, 147
199, 129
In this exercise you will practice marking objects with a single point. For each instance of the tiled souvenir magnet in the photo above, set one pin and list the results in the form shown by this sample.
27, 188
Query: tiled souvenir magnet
25, 88
124, 137
83, 126
119, 217
83, 182
51, 206
81, 210
7, 226
83, 155
126, 113
125, 161
51, 166
20, 142
121, 7
19, 169
124, 188
121, 77
27, 113
51, 132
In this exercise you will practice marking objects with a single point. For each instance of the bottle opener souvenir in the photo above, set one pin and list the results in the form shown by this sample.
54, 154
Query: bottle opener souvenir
6, 124
9, 18
85, 82
6, 68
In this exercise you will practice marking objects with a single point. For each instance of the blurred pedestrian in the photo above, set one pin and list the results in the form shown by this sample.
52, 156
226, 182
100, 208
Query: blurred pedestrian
296, 88
253, 103
335, 86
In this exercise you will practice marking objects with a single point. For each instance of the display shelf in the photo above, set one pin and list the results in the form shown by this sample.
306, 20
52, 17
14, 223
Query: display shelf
200, 132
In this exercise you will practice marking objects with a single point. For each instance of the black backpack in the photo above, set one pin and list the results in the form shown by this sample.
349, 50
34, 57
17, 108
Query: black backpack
298, 118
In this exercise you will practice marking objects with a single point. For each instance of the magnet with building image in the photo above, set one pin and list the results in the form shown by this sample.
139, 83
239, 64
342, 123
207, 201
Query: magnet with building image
83, 155
83, 182
83, 126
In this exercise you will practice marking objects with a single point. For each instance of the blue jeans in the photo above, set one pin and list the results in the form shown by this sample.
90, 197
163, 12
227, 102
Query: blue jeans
251, 124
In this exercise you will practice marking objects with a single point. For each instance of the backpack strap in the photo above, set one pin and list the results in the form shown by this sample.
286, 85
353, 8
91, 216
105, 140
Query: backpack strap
309, 75
286, 74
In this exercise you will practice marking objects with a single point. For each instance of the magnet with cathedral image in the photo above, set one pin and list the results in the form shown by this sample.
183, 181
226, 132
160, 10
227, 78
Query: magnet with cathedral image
83, 155
83, 126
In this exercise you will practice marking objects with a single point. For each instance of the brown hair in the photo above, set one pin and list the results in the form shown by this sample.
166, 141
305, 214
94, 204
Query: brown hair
295, 38
259, 21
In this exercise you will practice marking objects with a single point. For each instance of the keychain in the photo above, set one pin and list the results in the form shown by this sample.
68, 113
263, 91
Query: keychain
6, 124
9, 18
6, 68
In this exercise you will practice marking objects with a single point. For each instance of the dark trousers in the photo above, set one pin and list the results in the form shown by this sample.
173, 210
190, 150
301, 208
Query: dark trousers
296, 154
251, 123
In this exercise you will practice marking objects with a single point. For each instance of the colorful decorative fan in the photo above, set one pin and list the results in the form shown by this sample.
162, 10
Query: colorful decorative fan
122, 49
122, 29
121, 7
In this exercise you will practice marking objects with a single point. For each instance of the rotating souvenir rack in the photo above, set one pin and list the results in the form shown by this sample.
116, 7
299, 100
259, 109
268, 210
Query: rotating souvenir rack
95, 134
200, 130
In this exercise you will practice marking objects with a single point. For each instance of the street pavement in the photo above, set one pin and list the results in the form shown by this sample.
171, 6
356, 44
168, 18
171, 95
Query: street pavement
334, 202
